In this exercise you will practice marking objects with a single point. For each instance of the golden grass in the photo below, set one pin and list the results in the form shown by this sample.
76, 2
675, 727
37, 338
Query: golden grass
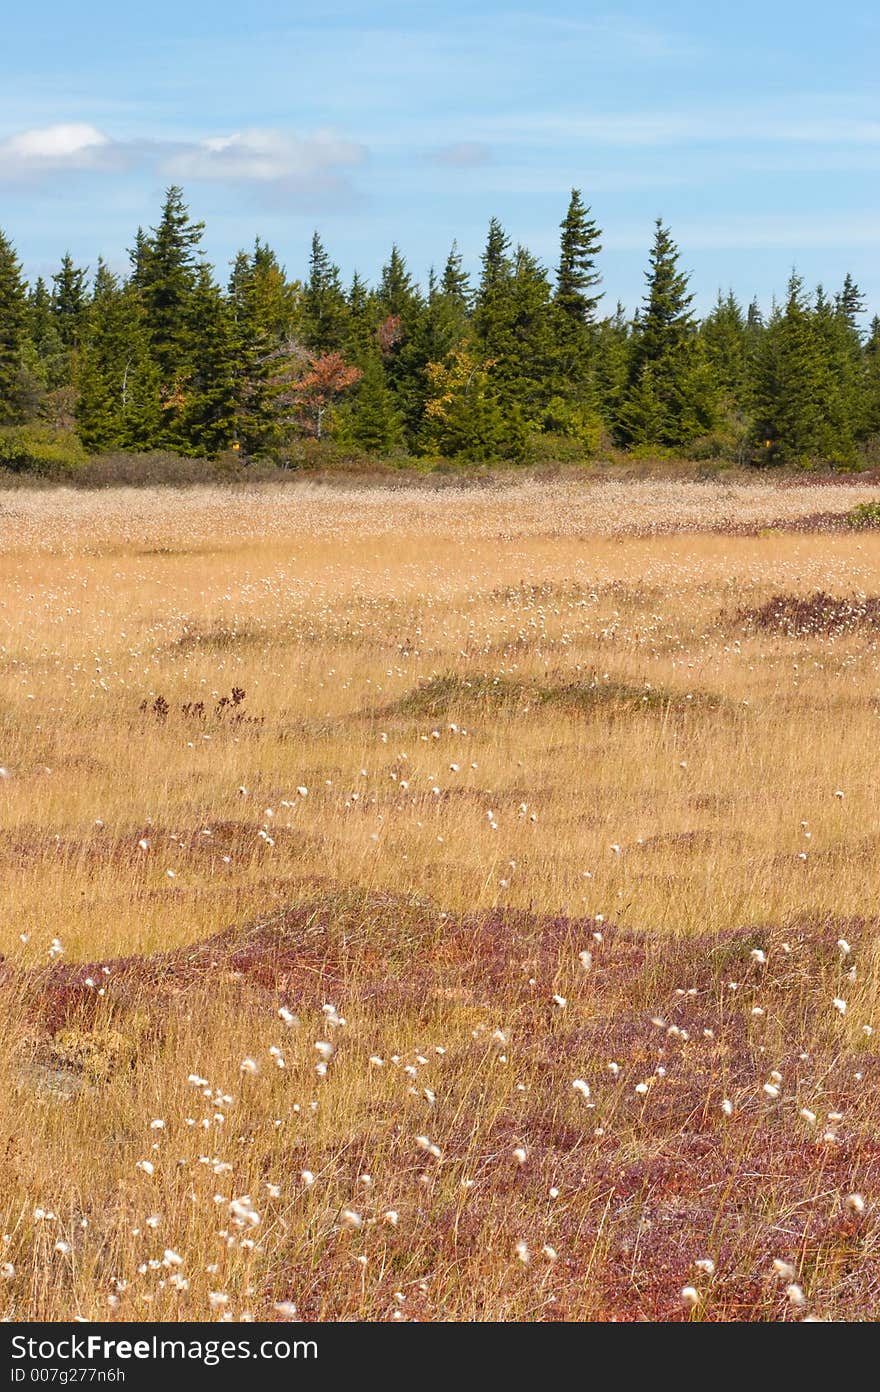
513, 711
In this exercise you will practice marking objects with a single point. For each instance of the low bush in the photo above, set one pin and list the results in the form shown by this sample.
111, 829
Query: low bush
865, 515
38, 450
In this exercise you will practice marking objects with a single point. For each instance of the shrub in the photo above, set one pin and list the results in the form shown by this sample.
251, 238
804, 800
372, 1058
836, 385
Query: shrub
865, 515
157, 467
32, 449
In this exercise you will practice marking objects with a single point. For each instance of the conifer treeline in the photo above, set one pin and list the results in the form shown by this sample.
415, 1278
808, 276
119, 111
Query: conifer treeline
168, 358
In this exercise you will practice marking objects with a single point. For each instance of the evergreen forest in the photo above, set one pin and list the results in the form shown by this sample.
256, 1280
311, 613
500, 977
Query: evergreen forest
521, 362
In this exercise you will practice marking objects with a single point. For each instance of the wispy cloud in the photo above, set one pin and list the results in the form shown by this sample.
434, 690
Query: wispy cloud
692, 128
615, 35
790, 232
558, 184
462, 154
267, 157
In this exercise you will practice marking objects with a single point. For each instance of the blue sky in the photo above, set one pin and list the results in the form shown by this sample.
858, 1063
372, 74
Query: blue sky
752, 129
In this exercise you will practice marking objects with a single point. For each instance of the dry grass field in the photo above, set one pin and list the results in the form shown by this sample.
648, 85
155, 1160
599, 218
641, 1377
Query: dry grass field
440, 905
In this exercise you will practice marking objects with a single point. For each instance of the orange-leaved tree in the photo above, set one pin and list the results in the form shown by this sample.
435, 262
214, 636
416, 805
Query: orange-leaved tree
326, 377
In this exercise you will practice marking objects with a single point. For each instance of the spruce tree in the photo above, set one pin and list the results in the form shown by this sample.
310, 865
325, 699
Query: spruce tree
872, 379
445, 321
753, 335
612, 353
166, 280
455, 282
362, 321
372, 421
397, 294
119, 404
723, 333
577, 278
514, 327
727, 350
43, 334
137, 256
664, 340
276, 299
205, 420
323, 309
69, 301
644, 416
259, 332
495, 272
575, 401
439, 325
523, 339
695, 400
47, 367
851, 303
13, 333
665, 321
839, 333
492, 308
400, 305
793, 384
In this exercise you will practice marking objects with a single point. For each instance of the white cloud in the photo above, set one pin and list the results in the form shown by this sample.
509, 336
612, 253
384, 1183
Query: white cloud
279, 161
73, 144
55, 142
266, 156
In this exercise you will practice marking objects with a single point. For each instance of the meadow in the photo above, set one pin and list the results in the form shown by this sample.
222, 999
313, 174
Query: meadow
453, 904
